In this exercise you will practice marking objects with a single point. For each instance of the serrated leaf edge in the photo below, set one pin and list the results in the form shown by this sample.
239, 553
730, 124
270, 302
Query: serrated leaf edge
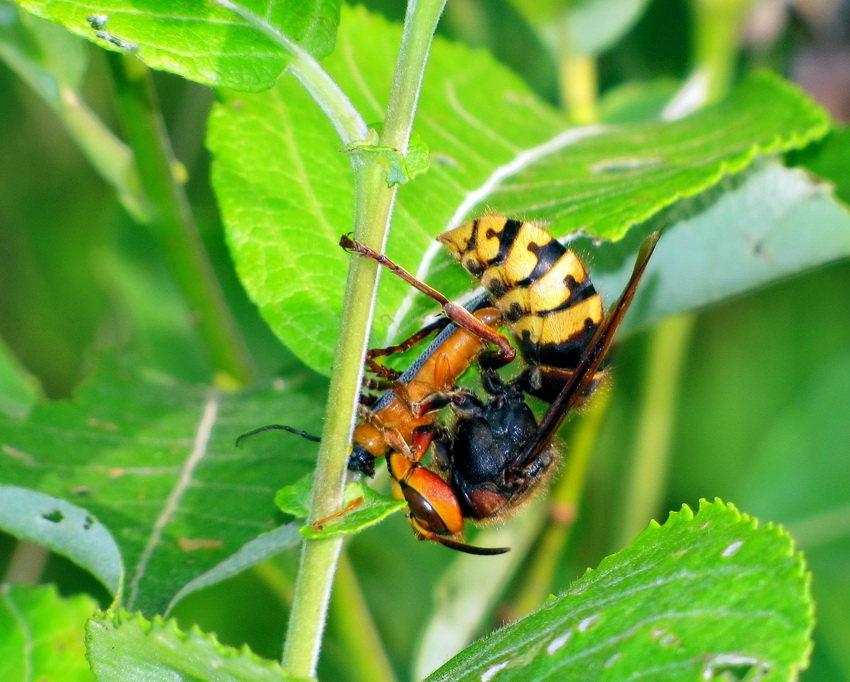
119, 617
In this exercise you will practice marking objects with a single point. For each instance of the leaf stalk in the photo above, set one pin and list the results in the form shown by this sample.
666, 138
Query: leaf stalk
172, 222
333, 101
647, 477
717, 26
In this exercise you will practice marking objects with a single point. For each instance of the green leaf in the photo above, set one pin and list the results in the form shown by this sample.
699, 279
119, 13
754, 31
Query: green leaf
286, 192
207, 42
259, 549
367, 507
295, 499
128, 647
41, 634
705, 596
285, 210
371, 508
771, 223
63, 528
154, 460
625, 175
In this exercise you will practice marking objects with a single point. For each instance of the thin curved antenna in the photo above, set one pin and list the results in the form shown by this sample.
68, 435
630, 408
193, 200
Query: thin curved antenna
279, 427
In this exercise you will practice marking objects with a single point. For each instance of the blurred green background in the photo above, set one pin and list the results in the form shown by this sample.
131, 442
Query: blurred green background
762, 414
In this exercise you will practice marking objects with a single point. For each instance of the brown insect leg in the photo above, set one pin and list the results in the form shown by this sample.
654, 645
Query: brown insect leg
454, 311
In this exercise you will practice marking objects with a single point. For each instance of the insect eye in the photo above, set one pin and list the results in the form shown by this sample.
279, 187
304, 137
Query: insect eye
423, 511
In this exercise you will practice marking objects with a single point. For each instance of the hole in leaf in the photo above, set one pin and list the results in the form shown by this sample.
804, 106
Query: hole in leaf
614, 658
589, 622
735, 667
559, 642
732, 549
490, 673
55, 516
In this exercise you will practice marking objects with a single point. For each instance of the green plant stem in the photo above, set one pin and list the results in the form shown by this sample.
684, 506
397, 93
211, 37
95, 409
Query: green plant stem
364, 652
577, 78
109, 156
717, 26
373, 208
420, 23
172, 222
578, 85
648, 474
319, 557
564, 502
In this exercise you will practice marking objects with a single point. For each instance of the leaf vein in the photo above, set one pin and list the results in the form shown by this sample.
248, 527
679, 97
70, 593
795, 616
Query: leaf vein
199, 450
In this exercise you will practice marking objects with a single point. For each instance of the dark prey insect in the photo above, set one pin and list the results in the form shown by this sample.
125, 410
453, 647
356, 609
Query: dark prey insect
402, 425
498, 455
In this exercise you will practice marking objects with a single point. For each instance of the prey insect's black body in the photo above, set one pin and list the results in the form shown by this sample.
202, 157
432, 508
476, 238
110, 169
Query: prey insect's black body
497, 454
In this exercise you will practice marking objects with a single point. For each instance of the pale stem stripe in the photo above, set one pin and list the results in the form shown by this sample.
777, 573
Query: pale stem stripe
199, 450
475, 197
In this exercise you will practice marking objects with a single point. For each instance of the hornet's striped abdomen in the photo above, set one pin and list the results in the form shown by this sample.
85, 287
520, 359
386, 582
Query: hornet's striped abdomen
542, 289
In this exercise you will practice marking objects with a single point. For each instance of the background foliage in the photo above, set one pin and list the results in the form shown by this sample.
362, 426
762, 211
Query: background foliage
755, 386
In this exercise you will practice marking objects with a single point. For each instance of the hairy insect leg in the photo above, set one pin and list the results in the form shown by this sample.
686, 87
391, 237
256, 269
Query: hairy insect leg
381, 371
375, 385
401, 347
439, 399
454, 311
351, 506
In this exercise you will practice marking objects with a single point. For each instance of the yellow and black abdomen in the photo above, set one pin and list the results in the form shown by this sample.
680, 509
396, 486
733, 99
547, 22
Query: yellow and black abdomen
542, 289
